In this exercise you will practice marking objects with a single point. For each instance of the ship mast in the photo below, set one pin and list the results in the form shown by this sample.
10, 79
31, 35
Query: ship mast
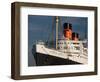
57, 20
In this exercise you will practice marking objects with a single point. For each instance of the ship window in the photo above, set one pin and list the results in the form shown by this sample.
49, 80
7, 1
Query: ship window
65, 47
58, 47
77, 48
76, 43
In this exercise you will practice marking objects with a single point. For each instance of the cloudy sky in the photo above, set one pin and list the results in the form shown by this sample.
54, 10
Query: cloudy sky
40, 28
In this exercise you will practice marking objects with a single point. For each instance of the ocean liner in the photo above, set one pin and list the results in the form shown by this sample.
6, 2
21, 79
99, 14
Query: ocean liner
68, 49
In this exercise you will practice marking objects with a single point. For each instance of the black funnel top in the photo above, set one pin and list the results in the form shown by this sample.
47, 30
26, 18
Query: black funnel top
67, 25
74, 34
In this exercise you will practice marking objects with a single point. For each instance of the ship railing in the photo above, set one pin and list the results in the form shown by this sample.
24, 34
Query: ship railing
40, 42
77, 48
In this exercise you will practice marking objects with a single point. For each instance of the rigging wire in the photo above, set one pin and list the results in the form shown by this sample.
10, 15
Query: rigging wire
51, 35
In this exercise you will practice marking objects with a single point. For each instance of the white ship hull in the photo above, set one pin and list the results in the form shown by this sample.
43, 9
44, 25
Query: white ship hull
80, 58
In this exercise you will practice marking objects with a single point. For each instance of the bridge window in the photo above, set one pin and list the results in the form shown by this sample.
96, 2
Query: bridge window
77, 48
65, 47
64, 42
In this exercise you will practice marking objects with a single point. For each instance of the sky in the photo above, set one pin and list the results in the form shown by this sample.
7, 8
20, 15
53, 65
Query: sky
40, 28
